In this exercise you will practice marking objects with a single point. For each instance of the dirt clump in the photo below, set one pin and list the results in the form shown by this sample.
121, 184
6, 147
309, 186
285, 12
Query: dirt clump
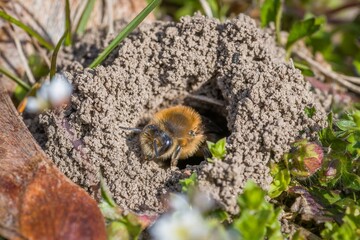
164, 64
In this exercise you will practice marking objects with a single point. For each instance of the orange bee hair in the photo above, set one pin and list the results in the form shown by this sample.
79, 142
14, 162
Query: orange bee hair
174, 132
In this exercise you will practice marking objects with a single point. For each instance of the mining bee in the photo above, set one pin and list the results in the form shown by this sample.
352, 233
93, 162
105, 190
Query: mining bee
175, 133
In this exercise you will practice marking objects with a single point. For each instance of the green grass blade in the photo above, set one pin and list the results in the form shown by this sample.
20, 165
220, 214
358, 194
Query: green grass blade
15, 78
279, 12
55, 53
80, 28
125, 32
27, 29
67, 23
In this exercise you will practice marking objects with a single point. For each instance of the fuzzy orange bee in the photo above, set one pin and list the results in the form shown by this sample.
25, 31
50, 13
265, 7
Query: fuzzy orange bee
173, 133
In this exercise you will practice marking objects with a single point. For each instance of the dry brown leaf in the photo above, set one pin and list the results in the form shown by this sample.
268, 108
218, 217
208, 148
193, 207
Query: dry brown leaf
36, 200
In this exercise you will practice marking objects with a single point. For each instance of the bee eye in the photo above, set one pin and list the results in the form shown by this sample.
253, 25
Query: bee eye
192, 133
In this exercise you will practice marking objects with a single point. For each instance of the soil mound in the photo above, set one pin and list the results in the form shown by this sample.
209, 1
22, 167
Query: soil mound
233, 63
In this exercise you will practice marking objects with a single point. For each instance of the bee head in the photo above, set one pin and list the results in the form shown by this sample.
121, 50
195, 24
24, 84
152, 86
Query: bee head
154, 141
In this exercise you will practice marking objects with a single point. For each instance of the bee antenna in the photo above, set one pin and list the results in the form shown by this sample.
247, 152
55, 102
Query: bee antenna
138, 130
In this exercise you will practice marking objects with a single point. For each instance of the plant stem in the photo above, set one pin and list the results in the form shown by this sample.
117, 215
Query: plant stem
15, 78
67, 23
55, 53
80, 28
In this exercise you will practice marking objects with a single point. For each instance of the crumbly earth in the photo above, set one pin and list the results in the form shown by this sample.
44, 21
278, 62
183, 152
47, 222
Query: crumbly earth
166, 63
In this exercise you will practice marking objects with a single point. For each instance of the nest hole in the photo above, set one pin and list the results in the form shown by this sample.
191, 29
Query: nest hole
214, 119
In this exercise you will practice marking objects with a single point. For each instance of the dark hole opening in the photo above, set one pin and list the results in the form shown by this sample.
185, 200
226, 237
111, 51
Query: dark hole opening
214, 119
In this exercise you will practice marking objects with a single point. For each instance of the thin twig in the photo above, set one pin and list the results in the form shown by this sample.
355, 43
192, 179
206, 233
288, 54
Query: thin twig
11, 31
340, 78
207, 100
207, 9
109, 9
342, 7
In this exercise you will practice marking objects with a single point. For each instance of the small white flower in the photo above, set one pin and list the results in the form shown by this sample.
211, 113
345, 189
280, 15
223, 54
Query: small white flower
55, 93
181, 225
179, 202
43, 92
35, 105
59, 90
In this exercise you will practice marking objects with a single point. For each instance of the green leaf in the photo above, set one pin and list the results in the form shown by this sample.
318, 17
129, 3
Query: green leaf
218, 149
356, 64
27, 29
252, 197
15, 78
125, 32
281, 180
105, 193
220, 215
119, 225
302, 29
271, 11
257, 219
351, 181
19, 93
117, 230
345, 125
348, 230
67, 23
305, 70
328, 137
325, 196
85, 16
38, 66
188, 183
310, 111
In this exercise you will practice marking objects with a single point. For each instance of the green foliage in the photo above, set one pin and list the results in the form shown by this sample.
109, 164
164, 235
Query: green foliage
350, 129
118, 225
180, 8
305, 159
188, 183
271, 11
85, 16
344, 143
13, 77
125, 32
338, 43
258, 219
302, 29
281, 180
348, 230
218, 9
218, 149
219, 214
305, 70
38, 66
19, 93
27, 29
310, 111
67, 24
55, 53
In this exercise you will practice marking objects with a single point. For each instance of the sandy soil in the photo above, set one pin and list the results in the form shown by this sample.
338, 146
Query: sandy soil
161, 65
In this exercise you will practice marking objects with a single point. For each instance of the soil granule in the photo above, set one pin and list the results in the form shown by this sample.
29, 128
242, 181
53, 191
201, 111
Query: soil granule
164, 64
